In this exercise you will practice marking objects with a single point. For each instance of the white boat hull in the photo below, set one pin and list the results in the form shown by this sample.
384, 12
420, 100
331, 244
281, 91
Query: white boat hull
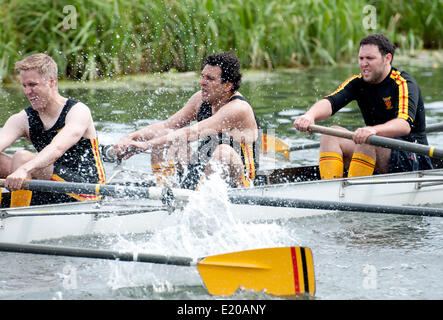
410, 188
122, 217
55, 221
30, 225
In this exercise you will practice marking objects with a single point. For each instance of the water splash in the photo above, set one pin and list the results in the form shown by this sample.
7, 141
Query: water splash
206, 226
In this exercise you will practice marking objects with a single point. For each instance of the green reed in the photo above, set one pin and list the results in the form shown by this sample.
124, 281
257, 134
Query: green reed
117, 37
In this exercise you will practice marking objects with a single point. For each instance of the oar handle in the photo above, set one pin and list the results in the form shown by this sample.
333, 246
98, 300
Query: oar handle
108, 153
331, 131
383, 142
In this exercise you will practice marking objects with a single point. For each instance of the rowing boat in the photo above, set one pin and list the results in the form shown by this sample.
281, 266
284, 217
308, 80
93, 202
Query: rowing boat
114, 216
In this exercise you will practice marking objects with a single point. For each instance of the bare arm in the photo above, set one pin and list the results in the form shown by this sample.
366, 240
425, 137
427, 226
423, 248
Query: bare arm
125, 147
14, 128
321, 110
236, 118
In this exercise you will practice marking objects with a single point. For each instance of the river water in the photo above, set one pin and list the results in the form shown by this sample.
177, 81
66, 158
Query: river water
356, 255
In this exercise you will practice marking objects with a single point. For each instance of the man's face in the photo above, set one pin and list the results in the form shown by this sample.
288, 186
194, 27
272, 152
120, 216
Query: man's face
373, 66
36, 89
211, 84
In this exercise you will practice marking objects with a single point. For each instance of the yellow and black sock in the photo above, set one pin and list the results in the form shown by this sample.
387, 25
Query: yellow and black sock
361, 165
331, 165
163, 171
21, 198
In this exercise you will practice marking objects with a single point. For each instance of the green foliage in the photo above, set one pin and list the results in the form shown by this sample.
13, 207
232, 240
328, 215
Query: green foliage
116, 37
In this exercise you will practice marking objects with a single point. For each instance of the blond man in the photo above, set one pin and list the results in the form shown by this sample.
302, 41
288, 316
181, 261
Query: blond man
61, 130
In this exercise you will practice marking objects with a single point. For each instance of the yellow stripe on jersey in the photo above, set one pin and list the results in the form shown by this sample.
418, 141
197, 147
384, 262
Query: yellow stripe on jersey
344, 84
248, 153
403, 95
249, 173
98, 161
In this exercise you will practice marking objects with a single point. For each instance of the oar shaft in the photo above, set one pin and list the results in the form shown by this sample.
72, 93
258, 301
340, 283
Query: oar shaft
407, 146
383, 142
305, 146
434, 127
95, 253
153, 193
336, 205
86, 188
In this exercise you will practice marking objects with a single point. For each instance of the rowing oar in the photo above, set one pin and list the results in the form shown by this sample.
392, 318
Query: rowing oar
169, 195
282, 146
283, 271
379, 141
335, 205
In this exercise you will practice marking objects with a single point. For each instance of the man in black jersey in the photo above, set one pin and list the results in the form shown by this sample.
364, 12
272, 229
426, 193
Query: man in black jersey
226, 128
61, 130
391, 105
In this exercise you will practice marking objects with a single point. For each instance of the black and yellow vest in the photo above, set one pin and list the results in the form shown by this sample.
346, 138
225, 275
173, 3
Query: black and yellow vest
81, 163
248, 153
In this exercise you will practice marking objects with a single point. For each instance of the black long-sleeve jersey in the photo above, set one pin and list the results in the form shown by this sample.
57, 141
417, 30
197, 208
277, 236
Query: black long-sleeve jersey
397, 96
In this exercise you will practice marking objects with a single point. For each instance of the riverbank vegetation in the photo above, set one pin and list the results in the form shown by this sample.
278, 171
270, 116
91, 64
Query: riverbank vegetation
92, 39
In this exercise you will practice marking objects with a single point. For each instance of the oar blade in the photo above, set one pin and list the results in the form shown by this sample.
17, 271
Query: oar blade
274, 144
285, 271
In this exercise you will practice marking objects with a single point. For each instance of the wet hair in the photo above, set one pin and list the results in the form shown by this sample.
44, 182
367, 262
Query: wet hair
229, 65
384, 45
40, 62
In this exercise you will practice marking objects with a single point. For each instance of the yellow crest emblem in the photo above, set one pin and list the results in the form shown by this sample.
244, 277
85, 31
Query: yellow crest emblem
387, 102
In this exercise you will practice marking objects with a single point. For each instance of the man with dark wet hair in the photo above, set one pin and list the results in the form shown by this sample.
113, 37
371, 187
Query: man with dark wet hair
226, 129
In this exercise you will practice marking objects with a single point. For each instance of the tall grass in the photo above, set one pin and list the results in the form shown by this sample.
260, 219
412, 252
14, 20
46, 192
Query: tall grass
116, 37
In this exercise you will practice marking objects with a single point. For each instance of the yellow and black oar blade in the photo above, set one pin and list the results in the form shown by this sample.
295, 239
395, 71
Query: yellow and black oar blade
273, 144
284, 271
